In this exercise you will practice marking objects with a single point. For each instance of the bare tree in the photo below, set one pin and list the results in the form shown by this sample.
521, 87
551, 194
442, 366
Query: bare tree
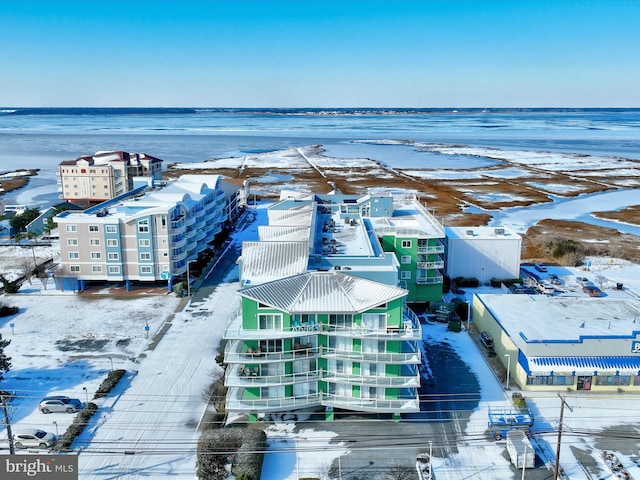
43, 277
26, 269
401, 472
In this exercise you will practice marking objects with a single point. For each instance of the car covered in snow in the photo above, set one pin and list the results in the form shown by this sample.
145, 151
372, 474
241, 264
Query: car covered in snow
541, 267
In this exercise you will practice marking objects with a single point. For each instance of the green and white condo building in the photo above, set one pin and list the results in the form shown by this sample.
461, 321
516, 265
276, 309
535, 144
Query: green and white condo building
324, 320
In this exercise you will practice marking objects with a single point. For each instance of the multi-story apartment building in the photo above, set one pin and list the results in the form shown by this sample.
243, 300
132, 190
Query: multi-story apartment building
104, 175
149, 234
323, 318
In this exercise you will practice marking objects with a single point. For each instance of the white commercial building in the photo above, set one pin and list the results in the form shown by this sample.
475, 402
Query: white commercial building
483, 253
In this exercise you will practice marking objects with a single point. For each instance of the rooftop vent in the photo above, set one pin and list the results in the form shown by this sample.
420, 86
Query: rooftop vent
470, 233
499, 231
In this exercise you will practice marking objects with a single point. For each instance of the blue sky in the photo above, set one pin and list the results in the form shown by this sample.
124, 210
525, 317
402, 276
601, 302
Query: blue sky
452, 53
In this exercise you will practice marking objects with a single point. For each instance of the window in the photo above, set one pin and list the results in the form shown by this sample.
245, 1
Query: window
72, 228
74, 255
340, 320
114, 269
405, 259
93, 228
111, 229
143, 226
163, 222
551, 380
96, 268
143, 242
113, 256
613, 380
96, 255
406, 243
405, 275
72, 242
270, 321
274, 345
74, 268
145, 269
112, 242
94, 242
374, 321
145, 256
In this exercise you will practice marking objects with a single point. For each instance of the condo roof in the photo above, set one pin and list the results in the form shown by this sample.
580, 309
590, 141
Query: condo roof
315, 292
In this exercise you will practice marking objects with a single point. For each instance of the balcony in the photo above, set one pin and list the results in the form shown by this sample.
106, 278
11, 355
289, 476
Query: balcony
245, 376
372, 404
237, 352
429, 280
406, 358
412, 381
431, 265
237, 403
431, 250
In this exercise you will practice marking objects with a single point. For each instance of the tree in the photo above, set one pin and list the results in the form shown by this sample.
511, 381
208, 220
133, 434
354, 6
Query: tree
5, 362
401, 472
21, 221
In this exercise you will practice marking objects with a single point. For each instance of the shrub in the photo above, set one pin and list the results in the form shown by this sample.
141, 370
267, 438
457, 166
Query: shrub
466, 282
76, 428
5, 311
244, 447
109, 383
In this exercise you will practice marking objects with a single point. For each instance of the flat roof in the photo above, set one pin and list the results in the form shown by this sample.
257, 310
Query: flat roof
542, 318
482, 233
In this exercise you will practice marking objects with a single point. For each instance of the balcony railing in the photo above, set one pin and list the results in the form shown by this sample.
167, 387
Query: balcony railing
410, 381
405, 358
431, 265
431, 249
237, 352
372, 404
429, 280
242, 376
237, 403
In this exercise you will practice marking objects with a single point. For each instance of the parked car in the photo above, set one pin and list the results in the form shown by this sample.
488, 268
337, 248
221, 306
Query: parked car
516, 288
546, 288
33, 438
540, 267
592, 290
582, 281
60, 404
554, 279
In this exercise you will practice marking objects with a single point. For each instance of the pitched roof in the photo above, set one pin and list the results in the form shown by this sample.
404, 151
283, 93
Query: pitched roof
315, 292
267, 261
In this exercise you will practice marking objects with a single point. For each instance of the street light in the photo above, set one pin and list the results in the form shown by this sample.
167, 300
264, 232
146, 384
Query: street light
508, 367
430, 454
188, 280
86, 394
468, 313
56, 424
111, 360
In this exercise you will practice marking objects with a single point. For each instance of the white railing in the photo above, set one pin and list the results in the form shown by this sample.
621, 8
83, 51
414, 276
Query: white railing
243, 376
236, 402
372, 357
431, 249
236, 352
409, 381
429, 280
372, 404
431, 265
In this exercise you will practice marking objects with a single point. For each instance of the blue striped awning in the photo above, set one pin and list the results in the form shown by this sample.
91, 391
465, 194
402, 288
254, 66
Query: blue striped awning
584, 365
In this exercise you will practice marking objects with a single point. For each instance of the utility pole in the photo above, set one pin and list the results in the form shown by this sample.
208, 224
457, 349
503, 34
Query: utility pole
12, 449
557, 470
